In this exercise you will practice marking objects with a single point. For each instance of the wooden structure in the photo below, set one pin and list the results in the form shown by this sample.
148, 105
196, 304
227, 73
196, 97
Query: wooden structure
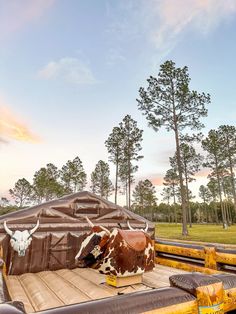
208, 259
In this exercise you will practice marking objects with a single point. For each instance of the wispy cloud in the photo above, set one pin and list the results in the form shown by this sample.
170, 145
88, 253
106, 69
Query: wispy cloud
173, 17
70, 70
163, 23
13, 127
15, 14
115, 56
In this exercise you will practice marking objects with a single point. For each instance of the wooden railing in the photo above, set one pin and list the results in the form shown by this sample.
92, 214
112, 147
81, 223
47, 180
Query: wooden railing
193, 257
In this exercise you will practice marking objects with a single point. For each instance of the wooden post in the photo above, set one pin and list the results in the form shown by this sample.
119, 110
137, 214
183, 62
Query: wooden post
211, 299
210, 258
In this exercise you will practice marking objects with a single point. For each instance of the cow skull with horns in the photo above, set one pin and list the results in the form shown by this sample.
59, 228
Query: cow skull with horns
20, 240
117, 252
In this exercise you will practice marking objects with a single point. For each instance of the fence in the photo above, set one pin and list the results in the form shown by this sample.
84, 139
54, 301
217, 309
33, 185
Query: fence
208, 259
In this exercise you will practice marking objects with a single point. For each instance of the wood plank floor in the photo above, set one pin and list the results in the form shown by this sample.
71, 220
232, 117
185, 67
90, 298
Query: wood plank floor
48, 289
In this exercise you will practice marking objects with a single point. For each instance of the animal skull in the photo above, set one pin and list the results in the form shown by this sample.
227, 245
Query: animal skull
20, 240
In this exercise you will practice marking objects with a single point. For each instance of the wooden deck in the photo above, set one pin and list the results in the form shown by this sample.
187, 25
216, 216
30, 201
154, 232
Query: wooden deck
48, 289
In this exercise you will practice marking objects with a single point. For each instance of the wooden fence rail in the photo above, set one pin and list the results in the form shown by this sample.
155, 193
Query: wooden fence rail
191, 257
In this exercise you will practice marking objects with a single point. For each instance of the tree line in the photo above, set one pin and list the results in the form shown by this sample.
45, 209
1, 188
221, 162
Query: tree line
49, 182
167, 102
218, 196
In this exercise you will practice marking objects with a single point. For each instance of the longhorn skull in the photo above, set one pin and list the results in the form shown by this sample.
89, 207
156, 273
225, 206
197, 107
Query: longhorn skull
20, 240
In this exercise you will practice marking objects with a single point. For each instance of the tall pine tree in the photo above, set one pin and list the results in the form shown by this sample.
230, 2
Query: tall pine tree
168, 102
131, 138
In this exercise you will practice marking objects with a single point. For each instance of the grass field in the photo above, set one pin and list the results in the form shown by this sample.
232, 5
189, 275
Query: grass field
203, 233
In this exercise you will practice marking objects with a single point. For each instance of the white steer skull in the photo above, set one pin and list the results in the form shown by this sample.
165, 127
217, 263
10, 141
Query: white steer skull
20, 240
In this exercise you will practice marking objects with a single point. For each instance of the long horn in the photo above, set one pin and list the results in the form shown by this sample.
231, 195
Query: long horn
130, 226
89, 222
146, 227
105, 229
8, 231
34, 229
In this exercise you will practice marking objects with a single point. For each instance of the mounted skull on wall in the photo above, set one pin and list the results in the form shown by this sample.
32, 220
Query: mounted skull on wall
20, 240
117, 252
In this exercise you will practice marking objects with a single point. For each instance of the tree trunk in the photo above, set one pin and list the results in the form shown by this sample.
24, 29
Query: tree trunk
116, 182
230, 215
182, 191
169, 217
188, 204
227, 213
231, 174
221, 204
176, 218
220, 195
129, 184
233, 183
175, 213
206, 211
216, 214
126, 192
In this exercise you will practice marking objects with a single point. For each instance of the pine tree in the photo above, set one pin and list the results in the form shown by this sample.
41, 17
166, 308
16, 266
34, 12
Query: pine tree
169, 102
190, 164
205, 195
21, 192
100, 182
46, 185
215, 162
144, 195
131, 138
213, 189
73, 175
114, 145
171, 180
227, 137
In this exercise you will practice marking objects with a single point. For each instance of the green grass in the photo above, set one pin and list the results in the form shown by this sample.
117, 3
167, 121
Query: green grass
203, 233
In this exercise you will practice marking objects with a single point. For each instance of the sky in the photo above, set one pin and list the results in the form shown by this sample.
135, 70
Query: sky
71, 70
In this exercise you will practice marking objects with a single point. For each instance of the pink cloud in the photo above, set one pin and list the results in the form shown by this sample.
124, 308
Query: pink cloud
13, 127
15, 14
157, 181
203, 173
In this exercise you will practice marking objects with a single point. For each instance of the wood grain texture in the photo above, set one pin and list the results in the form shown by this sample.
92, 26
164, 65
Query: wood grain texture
185, 266
178, 250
